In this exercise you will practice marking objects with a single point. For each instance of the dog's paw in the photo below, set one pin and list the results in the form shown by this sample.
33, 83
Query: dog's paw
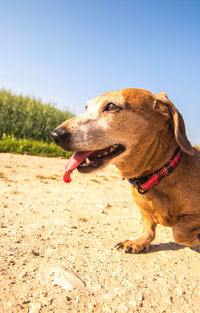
133, 246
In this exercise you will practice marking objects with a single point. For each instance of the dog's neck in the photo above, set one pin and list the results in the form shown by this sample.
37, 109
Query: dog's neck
144, 184
148, 157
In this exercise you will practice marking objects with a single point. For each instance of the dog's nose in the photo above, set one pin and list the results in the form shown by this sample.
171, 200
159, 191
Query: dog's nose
55, 137
60, 136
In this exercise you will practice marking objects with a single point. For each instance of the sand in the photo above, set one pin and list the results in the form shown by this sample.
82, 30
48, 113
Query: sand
57, 246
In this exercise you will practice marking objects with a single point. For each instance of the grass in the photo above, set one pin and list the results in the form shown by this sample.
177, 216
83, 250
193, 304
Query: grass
31, 147
27, 117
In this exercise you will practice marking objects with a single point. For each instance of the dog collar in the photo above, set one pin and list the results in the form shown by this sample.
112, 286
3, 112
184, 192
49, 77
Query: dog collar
144, 184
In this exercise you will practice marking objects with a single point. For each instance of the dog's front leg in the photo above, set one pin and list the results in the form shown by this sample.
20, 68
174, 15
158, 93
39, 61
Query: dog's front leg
141, 242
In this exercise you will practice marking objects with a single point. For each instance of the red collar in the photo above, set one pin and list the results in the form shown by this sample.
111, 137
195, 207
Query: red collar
144, 184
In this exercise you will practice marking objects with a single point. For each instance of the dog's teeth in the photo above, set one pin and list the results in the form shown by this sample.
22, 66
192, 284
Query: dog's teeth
99, 155
87, 161
106, 153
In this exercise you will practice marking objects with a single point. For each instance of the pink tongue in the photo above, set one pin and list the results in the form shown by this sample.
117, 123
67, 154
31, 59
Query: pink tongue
76, 159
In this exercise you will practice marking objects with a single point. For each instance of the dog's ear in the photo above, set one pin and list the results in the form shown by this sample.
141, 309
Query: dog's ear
164, 106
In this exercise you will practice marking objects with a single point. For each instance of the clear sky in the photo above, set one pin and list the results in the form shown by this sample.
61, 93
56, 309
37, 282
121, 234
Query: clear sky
67, 52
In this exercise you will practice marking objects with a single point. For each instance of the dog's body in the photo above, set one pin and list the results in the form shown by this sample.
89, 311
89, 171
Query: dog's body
144, 130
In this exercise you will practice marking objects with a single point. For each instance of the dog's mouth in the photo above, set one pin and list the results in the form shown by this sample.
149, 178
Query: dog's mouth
98, 157
89, 161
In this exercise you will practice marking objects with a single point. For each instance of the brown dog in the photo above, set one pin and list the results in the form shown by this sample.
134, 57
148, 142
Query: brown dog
139, 133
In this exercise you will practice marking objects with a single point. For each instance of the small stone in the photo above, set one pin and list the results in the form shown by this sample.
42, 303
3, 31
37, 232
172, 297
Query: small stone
12, 262
3, 226
170, 299
102, 211
26, 301
35, 253
23, 274
74, 227
108, 205
141, 297
62, 277
68, 298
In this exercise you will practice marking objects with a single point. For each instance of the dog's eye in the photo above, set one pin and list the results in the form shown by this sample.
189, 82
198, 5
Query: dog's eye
112, 107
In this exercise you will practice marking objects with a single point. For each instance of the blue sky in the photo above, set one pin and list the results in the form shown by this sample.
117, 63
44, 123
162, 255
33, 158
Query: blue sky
67, 52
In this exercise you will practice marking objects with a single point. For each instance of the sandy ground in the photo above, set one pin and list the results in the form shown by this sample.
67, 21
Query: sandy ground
57, 246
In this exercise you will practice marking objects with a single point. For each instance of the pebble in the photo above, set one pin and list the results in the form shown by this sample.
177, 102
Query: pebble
3, 226
35, 253
58, 275
23, 274
68, 298
26, 301
102, 211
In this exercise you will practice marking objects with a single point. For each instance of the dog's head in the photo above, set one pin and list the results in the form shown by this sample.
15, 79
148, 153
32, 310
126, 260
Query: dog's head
118, 125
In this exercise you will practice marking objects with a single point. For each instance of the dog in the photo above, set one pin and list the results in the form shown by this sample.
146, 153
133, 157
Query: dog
144, 136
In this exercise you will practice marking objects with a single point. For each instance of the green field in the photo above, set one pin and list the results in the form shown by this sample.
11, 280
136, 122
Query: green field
25, 125
32, 147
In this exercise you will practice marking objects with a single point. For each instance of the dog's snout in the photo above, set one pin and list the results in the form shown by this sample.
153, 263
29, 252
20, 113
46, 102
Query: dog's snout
59, 136
55, 136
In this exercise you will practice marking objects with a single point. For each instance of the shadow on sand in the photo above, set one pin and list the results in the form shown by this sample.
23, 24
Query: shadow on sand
169, 246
